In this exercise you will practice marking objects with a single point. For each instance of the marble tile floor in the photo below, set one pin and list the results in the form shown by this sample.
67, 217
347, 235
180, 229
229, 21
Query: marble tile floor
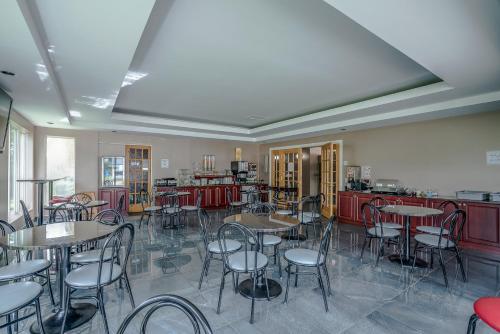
366, 299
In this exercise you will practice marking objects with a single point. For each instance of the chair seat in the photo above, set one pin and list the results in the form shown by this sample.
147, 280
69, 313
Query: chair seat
152, 208
86, 276
22, 269
310, 214
236, 261
284, 212
394, 226
18, 294
231, 245
386, 232
488, 310
432, 230
189, 208
237, 203
91, 256
303, 256
268, 240
173, 210
433, 240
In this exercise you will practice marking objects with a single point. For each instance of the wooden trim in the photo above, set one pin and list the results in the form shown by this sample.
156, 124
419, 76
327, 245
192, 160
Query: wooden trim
134, 207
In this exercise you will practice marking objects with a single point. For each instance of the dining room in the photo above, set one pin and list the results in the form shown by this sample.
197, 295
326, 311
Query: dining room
319, 166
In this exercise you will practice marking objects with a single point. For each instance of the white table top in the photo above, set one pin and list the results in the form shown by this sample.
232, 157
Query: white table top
409, 210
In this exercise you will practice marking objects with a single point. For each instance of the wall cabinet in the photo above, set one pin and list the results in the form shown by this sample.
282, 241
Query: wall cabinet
213, 197
481, 230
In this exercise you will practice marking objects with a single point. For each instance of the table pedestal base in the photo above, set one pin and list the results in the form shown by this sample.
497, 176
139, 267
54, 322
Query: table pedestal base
246, 286
408, 262
78, 314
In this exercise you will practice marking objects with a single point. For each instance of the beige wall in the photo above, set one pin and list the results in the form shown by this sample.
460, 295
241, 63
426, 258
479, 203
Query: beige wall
446, 155
181, 152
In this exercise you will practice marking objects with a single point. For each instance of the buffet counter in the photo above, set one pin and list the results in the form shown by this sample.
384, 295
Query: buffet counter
481, 230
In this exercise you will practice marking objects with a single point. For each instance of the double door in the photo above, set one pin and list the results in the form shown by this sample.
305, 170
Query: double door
286, 171
138, 171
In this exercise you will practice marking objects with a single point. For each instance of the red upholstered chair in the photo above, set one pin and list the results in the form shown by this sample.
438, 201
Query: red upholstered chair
488, 310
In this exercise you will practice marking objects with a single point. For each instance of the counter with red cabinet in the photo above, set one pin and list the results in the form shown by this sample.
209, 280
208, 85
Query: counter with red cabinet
481, 230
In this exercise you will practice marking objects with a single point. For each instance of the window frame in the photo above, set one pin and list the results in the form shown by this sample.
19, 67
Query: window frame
74, 162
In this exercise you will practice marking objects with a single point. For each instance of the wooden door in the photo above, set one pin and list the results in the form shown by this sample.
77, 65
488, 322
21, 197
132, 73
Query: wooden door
138, 171
329, 178
286, 170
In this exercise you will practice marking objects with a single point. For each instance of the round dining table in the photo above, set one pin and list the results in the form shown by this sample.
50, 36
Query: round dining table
61, 236
262, 224
408, 211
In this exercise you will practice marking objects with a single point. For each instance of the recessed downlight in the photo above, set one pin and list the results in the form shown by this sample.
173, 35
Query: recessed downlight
343, 129
8, 73
50, 123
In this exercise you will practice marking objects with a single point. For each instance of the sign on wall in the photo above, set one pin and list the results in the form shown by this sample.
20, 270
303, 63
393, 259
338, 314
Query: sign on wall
165, 163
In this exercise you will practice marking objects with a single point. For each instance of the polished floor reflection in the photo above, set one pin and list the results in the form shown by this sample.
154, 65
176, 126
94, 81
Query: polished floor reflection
366, 299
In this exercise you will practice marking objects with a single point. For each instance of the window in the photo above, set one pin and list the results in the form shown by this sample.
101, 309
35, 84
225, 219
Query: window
61, 163
20, 167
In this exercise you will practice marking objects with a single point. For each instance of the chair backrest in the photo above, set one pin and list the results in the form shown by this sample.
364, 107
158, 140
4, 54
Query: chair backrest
370, 215
6, 228
245, 236
205, 226
121, 201
66, 212
447, 207
81, 198
380, 202
263, 208
28, 222
454, 222
109, 217
325, 241
145, 199
123, 236
308, 204
196, 318
199, 197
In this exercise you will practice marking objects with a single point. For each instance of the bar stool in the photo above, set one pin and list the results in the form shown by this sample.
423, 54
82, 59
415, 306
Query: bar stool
486, 309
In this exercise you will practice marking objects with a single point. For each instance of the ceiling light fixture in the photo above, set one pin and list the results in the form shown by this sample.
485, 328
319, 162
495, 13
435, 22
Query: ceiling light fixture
75, 113
256, 118
343, 129
132, 77
50, 123
8, 73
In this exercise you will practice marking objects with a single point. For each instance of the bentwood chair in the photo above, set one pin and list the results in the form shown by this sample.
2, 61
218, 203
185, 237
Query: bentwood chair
81, 198
66, 212
106, 217
17, 270
381, 202
103, 273
28, 222
486, 309
374, 228
446, 207
310, 213
170, 210
148, 207
121, 202
151, 305
302, 257
212, 248
447, 240
17, 296
233, 205
186, 209
244, 261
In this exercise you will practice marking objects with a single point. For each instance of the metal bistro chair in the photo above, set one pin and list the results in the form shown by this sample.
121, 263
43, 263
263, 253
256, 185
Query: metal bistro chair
232, 205
13, 271
93, 252
384, 202
375, 229
281, 203
66, 212
196, 318
245, 261
192, 208
446, 207
148, 207
212, 248
104, 273
81, 198
303, 257
445, 241
310, 213
28, 222
486, 309
269, 240
170, 209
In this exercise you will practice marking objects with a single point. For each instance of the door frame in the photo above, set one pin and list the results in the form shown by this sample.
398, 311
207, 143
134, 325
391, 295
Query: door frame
340, 144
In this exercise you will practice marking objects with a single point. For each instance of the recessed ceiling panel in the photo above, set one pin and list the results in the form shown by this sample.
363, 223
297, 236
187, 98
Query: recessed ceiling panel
250, 63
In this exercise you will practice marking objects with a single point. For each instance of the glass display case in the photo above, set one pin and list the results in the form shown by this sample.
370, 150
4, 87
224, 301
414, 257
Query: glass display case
112, 171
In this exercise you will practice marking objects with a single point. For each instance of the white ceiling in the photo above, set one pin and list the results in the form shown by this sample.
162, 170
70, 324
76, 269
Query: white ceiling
249, 70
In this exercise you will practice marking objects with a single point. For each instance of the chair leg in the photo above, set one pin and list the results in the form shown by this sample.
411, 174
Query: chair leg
380, 250
296, 275
129, 290
277, 255
322, 287
471, 329
288, 269
204, 269
327, 277
51, 293
220, 289
67, 303
267, 286
39, 316
441, 262
254, 280
140, 221
100, 297
363, 249
414, 257
236, 283
460, 263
